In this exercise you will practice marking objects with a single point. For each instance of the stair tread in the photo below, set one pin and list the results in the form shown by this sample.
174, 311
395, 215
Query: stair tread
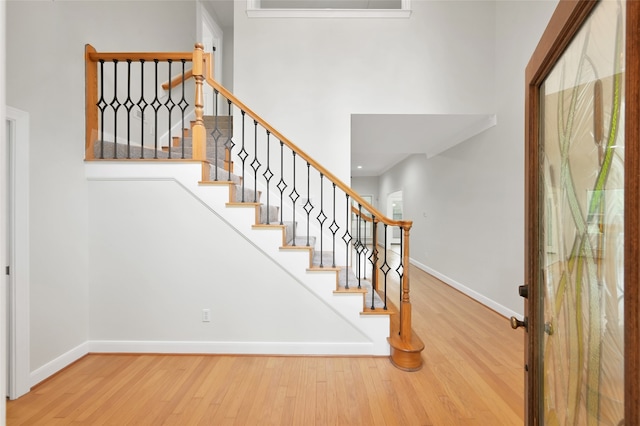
301, 241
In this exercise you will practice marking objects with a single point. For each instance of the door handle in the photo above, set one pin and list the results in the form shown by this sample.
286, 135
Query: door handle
516, 323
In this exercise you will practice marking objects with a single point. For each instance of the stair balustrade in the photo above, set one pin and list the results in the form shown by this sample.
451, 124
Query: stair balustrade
309, 199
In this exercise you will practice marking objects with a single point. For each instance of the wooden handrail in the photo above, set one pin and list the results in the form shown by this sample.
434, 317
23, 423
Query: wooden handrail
344, 187
177, 80
138, 56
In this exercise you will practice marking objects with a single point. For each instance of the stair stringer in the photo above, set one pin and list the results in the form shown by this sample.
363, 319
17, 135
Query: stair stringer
320, 283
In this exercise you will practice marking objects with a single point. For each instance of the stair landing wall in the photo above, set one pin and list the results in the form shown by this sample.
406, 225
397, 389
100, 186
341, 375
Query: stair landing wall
159, 255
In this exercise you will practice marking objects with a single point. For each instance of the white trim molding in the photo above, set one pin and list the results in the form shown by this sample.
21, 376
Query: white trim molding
255, 11
233, 348
18, 301
54, 366
491, 304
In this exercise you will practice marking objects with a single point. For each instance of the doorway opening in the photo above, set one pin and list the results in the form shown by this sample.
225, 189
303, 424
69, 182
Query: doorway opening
395, 212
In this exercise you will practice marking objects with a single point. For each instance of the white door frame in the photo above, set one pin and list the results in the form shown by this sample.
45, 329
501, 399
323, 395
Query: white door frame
18, 281
391, 198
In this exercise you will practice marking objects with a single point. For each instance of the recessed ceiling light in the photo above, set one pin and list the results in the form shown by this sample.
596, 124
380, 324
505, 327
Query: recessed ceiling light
359, 167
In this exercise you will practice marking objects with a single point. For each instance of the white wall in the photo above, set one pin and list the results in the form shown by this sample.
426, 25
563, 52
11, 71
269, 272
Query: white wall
158, 256
45, 75
367, 185
473, 194
307, 76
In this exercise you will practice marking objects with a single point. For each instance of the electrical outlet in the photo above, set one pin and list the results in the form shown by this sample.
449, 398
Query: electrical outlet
206, 315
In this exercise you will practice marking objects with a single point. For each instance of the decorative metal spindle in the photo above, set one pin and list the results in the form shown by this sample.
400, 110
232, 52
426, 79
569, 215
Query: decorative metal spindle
155, 104
243, 154
308, 207
360, 247
128, 104
346, 237
282, 185
294, 197
373, 258
268, 175
216, 133
255, 164
102, 105
385, 266
334, 228
321, 217
229, 144
364, 251
400, 271
183, 107
169, 104
142, 105
115, 106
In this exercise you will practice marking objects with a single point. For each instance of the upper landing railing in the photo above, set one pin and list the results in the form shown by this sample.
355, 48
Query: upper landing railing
136, 102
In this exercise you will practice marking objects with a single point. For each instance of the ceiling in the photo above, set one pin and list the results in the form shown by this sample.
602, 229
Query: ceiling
380, 141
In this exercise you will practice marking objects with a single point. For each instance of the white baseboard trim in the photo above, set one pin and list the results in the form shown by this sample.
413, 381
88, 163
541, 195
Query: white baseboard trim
245, 348
189, 347
491, 304
52, 367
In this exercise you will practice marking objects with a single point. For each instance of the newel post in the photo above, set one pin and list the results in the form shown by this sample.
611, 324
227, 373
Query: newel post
405, 309
406, 347
199, 134
91, 101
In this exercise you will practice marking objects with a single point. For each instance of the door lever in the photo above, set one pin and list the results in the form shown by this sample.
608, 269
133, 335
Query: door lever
516, 323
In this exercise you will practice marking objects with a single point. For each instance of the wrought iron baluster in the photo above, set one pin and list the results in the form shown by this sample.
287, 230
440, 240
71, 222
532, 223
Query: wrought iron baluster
346, 237
216, 133
385, 266
364, 251
229, 144
400, 271
373, 258
255, 164
128, 104
183, 107
321, 217
243, 154
169, 105
294, 197
115, 106
282, 185
155, 104
359, 246
268, 175
102, 105
308, 207
142, 105
334, 228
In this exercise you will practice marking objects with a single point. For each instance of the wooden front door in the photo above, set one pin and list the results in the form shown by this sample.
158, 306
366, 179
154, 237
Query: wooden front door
582, 217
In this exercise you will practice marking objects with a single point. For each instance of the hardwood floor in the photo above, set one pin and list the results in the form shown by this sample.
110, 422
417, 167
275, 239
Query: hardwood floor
472, 375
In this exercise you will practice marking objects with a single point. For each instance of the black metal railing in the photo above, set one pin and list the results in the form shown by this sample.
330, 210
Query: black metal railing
130, 114
351, 239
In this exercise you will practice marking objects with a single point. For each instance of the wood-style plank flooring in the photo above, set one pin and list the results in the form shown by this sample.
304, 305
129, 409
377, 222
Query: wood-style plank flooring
472, 375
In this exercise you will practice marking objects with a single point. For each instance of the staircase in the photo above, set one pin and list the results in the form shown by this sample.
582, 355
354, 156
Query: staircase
263, 187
